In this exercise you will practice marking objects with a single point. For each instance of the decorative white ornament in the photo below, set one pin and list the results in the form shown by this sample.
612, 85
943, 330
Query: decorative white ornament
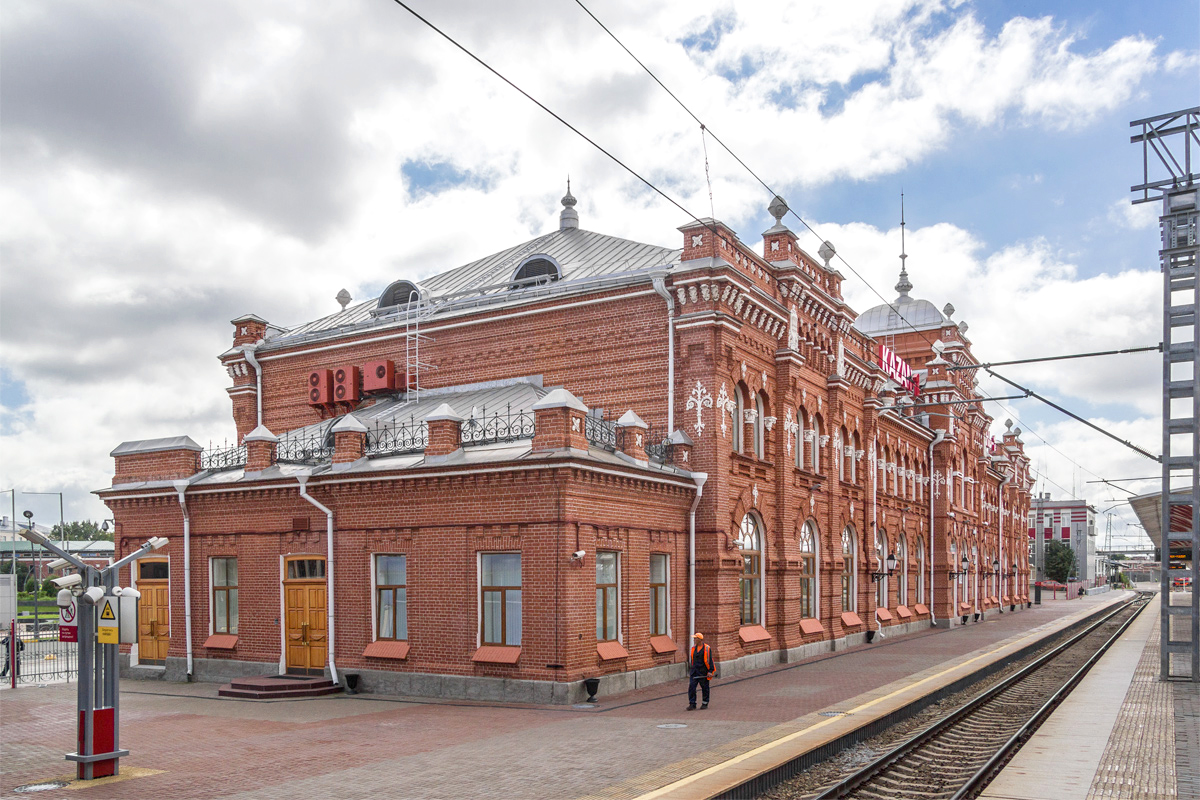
775, 245
697, 240
681, 293
575, 424
699, 400
638, 438
824, 441
743, 369
790, 427
725, 407
793, 341
769, 423
764, 377
750, 415
754, 493
812, 504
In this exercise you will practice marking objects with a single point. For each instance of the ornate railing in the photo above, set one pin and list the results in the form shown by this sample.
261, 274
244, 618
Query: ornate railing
223, 458
304, 448
657, 446
600, 432
507, 427
396, 437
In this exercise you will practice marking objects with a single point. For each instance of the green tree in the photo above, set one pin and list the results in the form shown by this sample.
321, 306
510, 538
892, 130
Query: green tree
81, 531
31, 584
48, 587
1060, 561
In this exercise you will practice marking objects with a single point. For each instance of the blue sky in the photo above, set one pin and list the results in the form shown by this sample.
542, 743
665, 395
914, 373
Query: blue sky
173, 167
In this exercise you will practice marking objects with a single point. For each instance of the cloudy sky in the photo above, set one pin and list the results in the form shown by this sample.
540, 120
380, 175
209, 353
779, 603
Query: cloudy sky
170, 166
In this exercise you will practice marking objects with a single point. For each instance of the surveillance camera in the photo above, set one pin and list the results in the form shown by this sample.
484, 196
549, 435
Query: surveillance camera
65, 598
67, 581
156, 542
57, 564
92, 595
117, 591
578, 555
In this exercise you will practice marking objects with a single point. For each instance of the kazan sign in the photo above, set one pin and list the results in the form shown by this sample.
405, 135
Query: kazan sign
898, 370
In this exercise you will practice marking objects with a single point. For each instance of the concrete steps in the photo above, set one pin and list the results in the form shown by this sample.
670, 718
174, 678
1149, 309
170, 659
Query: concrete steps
279, 687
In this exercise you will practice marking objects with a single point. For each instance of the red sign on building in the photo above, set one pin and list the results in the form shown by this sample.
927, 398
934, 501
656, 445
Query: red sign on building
898, 370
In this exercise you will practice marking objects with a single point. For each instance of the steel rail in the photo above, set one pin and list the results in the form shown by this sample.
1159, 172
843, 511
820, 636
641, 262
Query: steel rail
985, 773
901, 751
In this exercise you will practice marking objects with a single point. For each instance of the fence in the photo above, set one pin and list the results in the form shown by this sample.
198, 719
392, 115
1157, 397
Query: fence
40, 656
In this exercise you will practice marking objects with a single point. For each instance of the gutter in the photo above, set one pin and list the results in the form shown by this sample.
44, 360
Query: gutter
700, 478
938, 439
660, 286
248, 351
180, 488
1000, 538
303, 479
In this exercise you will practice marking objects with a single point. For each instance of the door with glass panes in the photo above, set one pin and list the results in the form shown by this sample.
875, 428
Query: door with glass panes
305, 602
154, 610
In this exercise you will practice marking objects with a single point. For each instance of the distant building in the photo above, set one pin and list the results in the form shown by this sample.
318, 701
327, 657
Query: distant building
1072, 522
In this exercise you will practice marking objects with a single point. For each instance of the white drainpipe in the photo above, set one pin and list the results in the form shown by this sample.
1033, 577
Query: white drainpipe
938, 439
303, 479
248, 352
1000, 544
699, 478
660, 286
180, 488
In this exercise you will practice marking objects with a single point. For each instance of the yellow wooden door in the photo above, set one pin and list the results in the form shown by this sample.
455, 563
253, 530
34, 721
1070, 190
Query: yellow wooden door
154, 622
306, 633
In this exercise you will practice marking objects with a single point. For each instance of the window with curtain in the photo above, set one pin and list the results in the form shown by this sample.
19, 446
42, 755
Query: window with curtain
750, 543
607, 597
500, 598
659, 596
848, 598
808, 572
391, 597
225, 595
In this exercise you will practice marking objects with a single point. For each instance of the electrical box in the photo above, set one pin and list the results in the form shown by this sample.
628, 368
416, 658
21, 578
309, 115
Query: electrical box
345, 385
320, 387
379, 376
129, 615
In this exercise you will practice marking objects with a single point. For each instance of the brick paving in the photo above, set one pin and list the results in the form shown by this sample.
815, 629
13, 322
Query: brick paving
371, 746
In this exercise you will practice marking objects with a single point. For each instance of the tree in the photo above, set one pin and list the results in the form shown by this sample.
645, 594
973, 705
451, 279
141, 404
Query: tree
1060, 561
85, 531
31, 584
48, 587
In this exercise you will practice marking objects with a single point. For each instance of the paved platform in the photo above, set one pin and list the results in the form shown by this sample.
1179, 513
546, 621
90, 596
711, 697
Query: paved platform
186, 742
1122, 733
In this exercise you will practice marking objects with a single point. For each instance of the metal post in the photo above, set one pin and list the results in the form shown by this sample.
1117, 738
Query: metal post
87, 643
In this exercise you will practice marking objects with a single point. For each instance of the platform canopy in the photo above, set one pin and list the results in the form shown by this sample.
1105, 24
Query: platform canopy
1148, 508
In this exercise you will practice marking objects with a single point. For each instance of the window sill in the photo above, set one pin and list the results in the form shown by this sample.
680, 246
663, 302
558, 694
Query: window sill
663, 645
882, 613
496, 654
964, 608
753, 633
221, 641
611, 651
851, 620
387, 649
903, 613
921, 608
811, 627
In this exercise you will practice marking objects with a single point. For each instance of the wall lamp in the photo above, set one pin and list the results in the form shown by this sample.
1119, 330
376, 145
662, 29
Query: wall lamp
891, 569
965, 565
995, 570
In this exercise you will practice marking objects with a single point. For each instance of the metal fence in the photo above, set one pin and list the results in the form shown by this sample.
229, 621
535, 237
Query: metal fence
508, 426
396, 436
41, 657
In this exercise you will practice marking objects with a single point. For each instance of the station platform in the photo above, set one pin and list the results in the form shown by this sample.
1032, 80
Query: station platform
186, 742
1122, 733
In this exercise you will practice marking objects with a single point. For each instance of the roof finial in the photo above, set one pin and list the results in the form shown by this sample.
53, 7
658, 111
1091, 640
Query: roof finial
903, 287
569, 218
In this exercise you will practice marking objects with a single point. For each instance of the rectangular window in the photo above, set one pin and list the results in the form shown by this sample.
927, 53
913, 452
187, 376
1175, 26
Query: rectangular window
750, 584
500, 598
153, 570
391, 597
607, 598
225, 595
808, 580
659, 599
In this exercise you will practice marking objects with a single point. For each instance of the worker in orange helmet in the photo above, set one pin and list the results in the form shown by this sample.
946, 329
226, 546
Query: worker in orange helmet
701, 670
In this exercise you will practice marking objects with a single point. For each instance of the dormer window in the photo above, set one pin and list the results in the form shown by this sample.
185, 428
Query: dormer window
399, 294
536, 269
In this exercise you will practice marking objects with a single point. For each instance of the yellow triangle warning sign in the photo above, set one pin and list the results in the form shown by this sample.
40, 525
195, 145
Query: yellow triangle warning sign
107, 613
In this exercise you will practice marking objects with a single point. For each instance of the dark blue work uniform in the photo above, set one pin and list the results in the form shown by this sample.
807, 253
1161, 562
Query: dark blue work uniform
701, 661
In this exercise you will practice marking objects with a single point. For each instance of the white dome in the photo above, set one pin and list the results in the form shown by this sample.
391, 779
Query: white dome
902, 314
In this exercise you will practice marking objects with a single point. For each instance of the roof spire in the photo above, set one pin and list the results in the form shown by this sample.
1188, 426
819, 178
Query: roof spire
903, 287
569, 218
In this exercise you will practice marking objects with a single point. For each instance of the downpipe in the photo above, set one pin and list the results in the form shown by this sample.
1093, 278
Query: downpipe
180, 488
248, 351
660, 286
303, 479
937, 439
700, 478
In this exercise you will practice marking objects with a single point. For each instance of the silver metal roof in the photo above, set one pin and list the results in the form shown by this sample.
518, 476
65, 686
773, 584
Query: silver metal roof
585, 258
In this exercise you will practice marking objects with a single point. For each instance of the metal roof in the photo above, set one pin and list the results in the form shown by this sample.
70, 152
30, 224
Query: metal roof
584, 257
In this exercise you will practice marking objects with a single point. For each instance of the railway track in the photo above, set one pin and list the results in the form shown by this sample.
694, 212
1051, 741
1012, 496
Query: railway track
958, 755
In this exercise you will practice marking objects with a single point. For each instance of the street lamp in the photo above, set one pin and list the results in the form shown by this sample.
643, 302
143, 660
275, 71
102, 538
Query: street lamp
37, 580
876, 577
62, 525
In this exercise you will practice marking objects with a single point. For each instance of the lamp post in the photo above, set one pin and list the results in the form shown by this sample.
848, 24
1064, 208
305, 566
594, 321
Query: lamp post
62, 525
964, 566
37, 581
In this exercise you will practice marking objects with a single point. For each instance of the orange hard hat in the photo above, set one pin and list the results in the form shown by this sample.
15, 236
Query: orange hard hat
698, 636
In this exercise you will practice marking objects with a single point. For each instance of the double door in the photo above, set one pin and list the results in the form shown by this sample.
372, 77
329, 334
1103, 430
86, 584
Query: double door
154, 611
305, 633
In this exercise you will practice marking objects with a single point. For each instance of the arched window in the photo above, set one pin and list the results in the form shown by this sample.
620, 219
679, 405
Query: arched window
818, 429
839, 452
536, 269
739, 417
760, 413
881, 588
954, 567
801, 426
884, 460
808, 572
855, 448
399, 294
750, 543
848, 589
920, 487
921, 565
902, 475
902, 565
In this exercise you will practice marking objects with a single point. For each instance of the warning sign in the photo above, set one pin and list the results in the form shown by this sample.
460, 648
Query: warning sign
68, 630
107, 630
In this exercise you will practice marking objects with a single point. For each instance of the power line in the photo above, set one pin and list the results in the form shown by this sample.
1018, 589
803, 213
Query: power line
1157, 347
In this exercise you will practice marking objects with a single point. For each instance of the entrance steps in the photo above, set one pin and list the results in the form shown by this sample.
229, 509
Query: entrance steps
279, 687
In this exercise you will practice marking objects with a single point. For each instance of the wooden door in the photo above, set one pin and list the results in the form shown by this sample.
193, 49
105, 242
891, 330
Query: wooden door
154, 612
305, 634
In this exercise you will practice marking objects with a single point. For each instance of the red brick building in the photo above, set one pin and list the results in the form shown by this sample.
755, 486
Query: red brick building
558, 461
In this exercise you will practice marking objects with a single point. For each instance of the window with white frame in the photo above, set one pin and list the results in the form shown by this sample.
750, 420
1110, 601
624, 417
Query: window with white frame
660, 598
608, 599
816, 446
839, 453
391, 597
739, 417
225, 595
808, 571
849, 602
760, 439
921, 565
500, 598
750, 543
801, 424
881, 587
902, 562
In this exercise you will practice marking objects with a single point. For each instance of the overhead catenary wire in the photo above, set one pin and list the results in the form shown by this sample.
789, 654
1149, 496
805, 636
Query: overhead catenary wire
985, 365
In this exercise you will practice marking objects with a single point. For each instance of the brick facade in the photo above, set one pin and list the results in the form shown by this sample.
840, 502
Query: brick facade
827, 446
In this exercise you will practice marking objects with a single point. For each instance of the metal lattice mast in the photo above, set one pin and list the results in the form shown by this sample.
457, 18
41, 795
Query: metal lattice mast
1171, 138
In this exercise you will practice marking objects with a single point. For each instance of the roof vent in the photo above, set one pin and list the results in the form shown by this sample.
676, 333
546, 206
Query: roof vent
569, 218
400, 293
536, 269
343, 298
